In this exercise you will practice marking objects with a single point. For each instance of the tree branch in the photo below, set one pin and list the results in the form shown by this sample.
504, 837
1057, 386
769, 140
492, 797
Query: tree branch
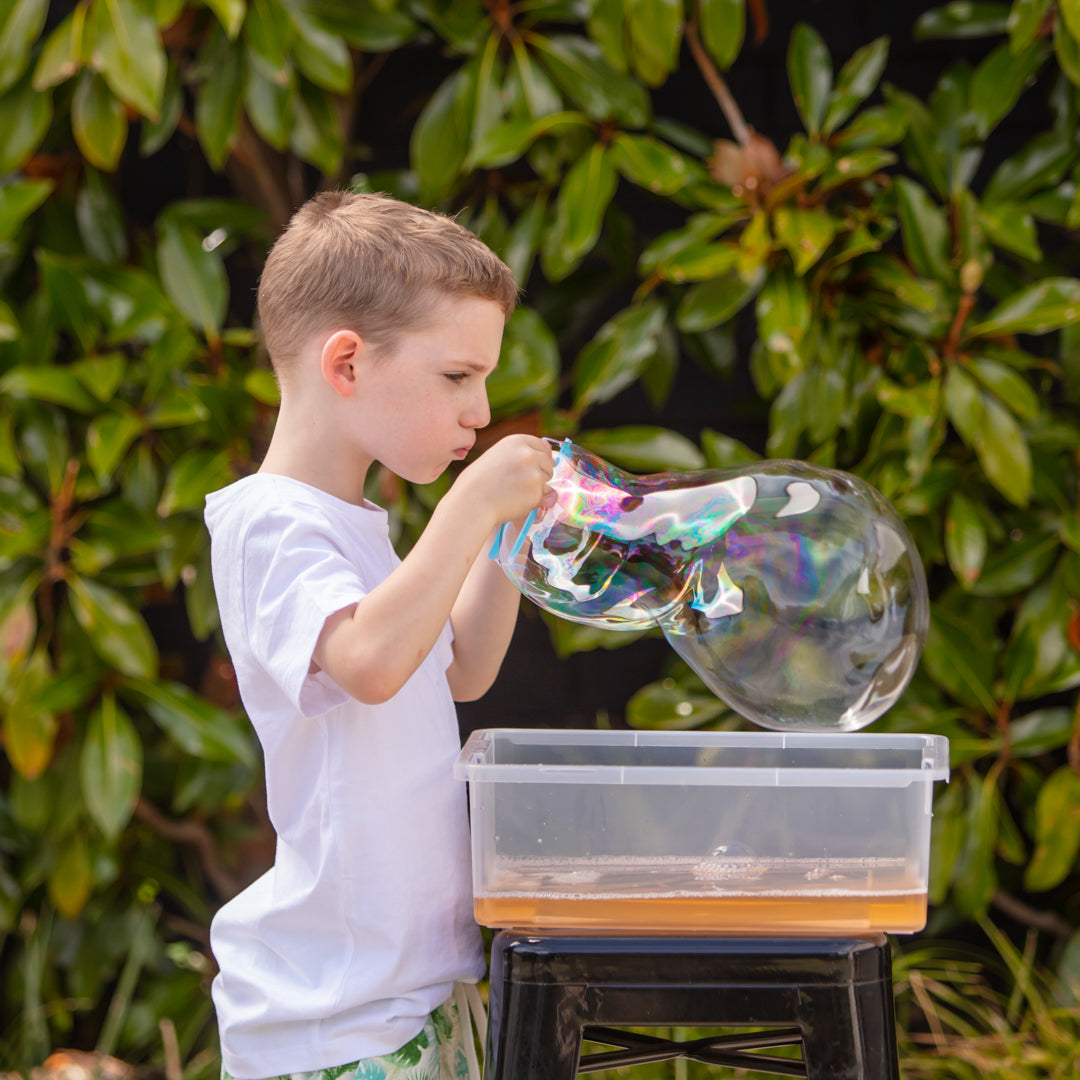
732, 113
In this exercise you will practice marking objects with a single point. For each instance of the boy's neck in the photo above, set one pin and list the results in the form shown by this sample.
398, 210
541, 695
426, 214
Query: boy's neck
305, 450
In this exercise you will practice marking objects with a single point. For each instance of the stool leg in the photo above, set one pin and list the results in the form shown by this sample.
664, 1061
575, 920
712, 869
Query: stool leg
848, 1032
536, 1034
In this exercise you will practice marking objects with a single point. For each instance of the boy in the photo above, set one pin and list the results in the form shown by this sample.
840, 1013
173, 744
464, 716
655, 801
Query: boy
382, 322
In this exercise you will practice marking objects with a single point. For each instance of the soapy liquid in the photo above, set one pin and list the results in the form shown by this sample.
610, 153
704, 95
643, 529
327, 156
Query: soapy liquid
712, 895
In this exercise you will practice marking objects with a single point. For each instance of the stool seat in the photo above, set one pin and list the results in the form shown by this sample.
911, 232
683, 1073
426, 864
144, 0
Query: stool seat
549, 993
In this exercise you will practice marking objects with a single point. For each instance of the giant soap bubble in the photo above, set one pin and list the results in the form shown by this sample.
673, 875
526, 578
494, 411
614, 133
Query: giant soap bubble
794, 591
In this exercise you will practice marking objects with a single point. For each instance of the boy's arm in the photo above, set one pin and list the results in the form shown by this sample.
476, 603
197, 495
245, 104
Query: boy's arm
483, 620
372, 648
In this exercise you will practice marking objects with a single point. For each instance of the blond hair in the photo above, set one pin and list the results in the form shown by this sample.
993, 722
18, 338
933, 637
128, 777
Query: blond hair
372, 264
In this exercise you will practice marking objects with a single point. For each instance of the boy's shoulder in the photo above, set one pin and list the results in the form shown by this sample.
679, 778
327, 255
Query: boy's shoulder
270, 502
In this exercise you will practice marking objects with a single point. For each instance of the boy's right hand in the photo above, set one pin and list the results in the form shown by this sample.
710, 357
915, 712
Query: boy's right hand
509, 479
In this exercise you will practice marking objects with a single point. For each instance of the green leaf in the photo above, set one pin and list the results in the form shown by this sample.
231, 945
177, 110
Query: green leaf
269, 103
714, 302
192, 478
1025, 19
263, 387
988, 428
193, 277
642, 448
975, 876
963, 19
322, 56
965, 539
505, 142
25, 115
783, 312
806, 234
439, 140
606, 25
100, 220
881, 125
666, 706
579, 212
1010, 226
196, 726
108, 439
317, 133
1011, 388
18, 200
1070, 12
957, 660
651, 164
58, 386
1067, 49
269, 31
115, 630
1040, 164
1047, 305
156, 133
999, 81
60, 57
921, 145
230, 14
1019, 565
1057, 831
528, 371
29, 730
374, 26
524, 239
699, 262
71, 878
856, 82
655, 33
21, 21
723, 27
110, 767
129, 54
98, 122
810, 73
618, 354
925, 231
219, 99
582, 73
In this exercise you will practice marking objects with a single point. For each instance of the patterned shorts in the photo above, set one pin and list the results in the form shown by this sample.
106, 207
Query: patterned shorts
436, 1053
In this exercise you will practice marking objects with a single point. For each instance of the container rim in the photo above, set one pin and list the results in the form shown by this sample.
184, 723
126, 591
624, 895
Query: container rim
473, 765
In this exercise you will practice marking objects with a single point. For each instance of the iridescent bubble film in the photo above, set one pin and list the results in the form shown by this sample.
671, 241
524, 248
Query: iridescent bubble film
794, 591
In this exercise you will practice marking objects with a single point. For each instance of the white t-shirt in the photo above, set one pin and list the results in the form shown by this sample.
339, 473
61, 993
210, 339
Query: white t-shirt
364, 923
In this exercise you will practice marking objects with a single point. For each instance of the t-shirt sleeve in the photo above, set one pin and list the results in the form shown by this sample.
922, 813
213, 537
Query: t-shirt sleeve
295, 577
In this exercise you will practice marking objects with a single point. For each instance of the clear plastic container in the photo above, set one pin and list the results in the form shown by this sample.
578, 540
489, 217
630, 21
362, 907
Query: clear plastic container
701, 832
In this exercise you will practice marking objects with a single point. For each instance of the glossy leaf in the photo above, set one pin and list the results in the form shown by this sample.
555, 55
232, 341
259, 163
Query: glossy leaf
507, 141
1048, 305
666, 706
21, 21
115, 630
29, 729
217, 106
108, 439
723, 27
856, 81
1040, 164
1025, 19
100, 220
1057, 831
975, 877
925, 231
18, 200
806, 234
582, 73
810, 73
965, 539
650, 164
957, 661
71, 879
1018, 565
230, 14
999, 81
579, 212
60, 386
655, 33
963, 19
1067, 50
1011, 388
195, 725
193, 277
528, 370
129, 54
714, 302
192, 478
1011, 226
642, 448
618, 354
111, 767
317, 135
269, 30
98, 122
439, 140
783, 312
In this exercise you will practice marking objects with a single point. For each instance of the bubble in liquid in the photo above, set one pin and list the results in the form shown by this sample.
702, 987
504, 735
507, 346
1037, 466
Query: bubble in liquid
794, 591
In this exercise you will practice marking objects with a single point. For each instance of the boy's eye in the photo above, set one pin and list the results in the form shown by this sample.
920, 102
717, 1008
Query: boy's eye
457, 376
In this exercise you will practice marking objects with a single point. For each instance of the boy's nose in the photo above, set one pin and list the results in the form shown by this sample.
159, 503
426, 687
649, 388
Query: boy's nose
478, 414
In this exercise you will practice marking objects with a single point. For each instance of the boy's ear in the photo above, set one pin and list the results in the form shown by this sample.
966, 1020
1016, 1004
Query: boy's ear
341, 354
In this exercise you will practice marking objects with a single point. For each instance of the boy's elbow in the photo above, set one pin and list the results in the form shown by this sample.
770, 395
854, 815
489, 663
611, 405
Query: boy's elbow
467, 686
371, 681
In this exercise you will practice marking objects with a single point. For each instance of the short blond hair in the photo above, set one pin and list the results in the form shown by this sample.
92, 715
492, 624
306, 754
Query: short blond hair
372, 264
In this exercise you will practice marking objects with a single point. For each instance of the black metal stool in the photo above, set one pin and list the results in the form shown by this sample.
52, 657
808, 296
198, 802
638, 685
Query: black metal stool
549, 993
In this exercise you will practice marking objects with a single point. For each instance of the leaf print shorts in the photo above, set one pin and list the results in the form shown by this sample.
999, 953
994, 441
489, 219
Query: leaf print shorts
436, 1053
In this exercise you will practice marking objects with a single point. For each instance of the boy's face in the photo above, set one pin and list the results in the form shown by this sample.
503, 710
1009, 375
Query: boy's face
420, 404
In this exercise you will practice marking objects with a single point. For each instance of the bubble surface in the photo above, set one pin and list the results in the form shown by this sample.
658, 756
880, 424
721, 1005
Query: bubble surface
794, 591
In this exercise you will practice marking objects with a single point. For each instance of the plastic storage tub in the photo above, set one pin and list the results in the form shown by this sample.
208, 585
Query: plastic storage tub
701, 832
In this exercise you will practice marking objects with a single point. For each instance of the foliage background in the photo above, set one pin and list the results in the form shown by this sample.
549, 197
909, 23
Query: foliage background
878, 278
